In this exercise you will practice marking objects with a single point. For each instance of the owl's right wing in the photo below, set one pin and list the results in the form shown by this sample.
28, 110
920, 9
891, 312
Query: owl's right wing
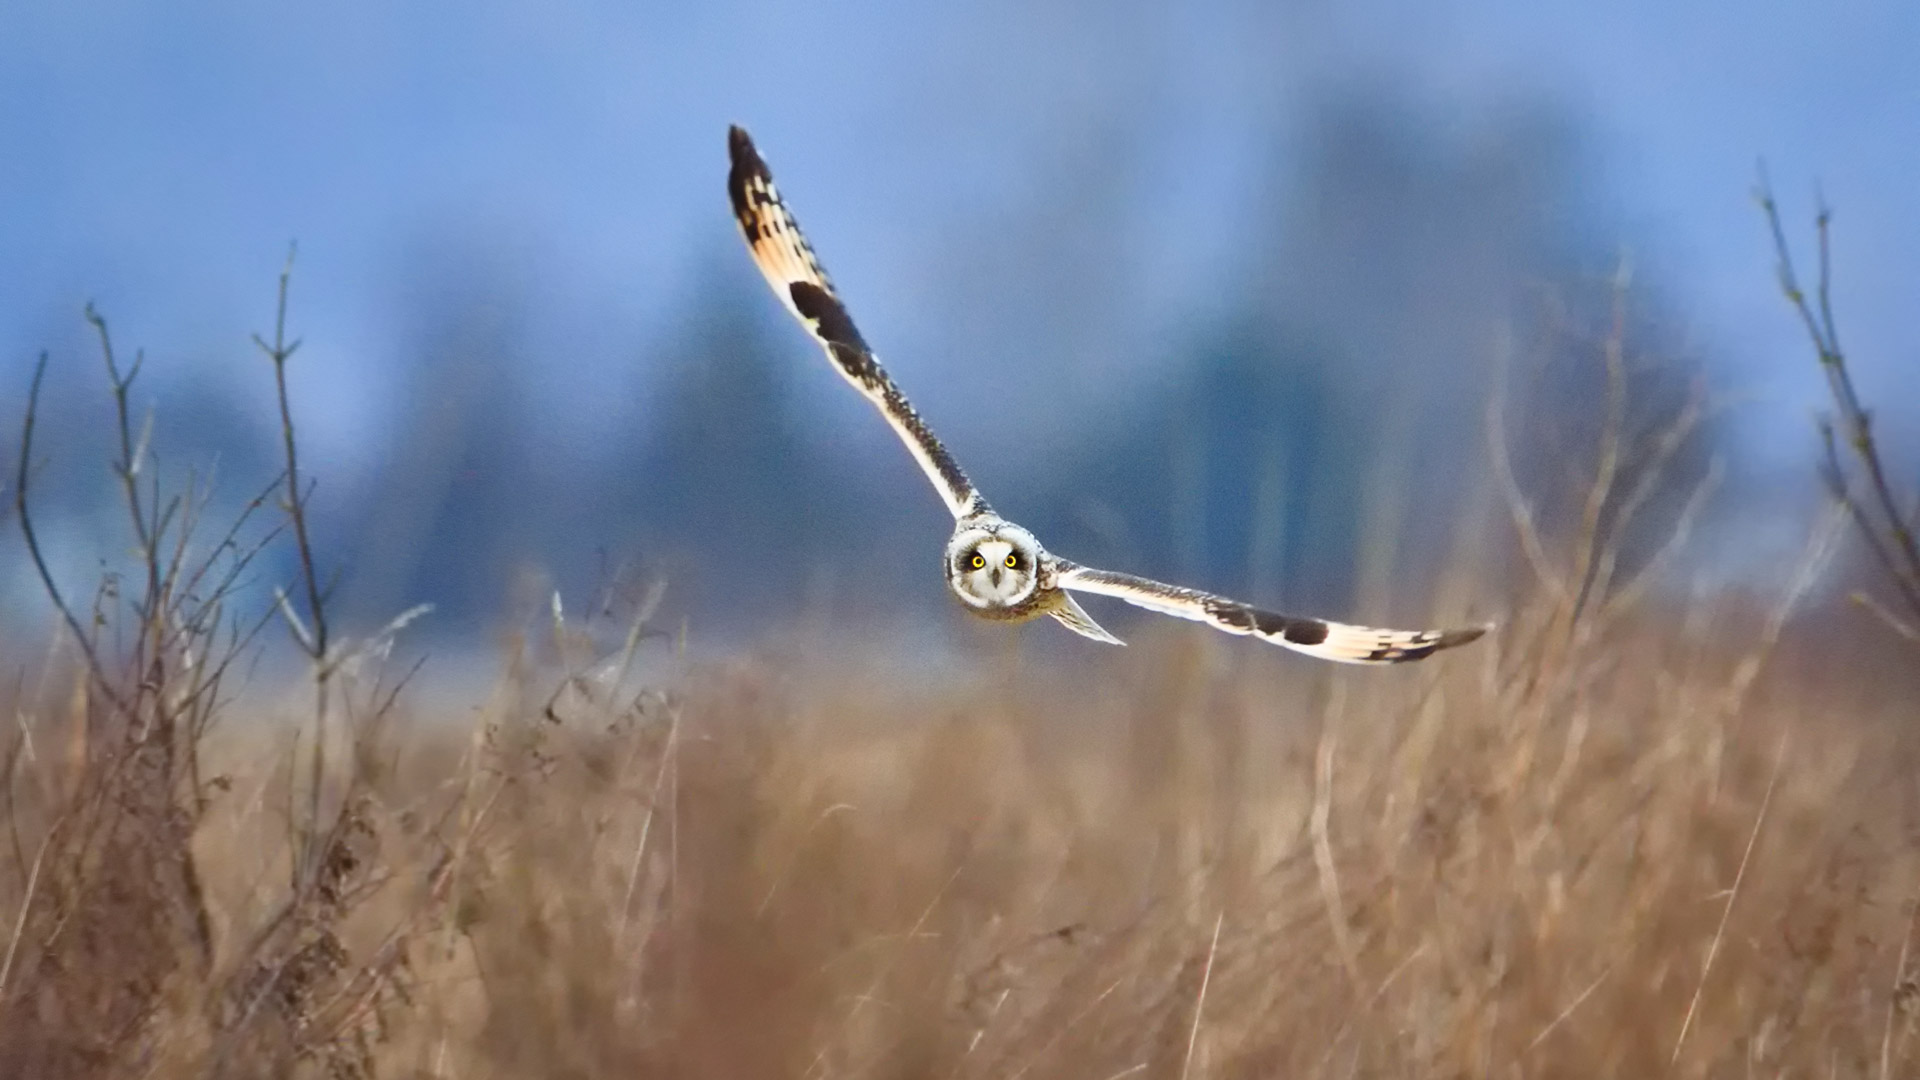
1315, 637
788, 262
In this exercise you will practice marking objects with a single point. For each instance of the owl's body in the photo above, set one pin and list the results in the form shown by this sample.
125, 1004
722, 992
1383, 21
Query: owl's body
995, 568
998, 570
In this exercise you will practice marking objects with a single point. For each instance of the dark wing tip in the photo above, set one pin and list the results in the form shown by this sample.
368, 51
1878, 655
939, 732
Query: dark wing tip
739, 143
747, 167
1450, 638
1427, 644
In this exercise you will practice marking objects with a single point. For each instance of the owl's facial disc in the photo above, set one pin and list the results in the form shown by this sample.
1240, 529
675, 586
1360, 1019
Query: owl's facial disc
992, 567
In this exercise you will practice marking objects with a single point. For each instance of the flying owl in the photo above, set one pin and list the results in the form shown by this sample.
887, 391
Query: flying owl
997, 569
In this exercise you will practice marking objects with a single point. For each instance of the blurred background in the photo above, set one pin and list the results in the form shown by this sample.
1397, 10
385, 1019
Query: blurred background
1209, 291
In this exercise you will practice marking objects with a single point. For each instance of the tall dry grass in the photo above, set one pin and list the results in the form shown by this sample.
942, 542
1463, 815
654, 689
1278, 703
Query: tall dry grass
1199, 864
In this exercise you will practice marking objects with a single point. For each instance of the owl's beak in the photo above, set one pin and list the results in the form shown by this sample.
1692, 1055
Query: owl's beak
995, 575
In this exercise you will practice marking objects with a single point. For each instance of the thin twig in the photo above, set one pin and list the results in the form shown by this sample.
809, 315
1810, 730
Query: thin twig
1517, 505
21, 483
1719, 933
1833, 474
793, 859
1886, 529
26, 905
1569, 1010
1899, 626
1072, 1021
280, 351
1653, 470
1366, 1007
1200, 1003
886, 969
1630, 591
312, 636
1893, 992
646, 826
1592, 536
128, 467
1323, 844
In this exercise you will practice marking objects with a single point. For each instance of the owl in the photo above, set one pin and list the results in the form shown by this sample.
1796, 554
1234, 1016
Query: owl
995, 568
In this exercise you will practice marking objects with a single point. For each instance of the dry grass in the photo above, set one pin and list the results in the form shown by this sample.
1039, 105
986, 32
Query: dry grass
1446, 870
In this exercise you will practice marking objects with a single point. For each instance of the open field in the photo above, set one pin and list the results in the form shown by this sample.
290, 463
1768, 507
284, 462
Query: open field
1674, 852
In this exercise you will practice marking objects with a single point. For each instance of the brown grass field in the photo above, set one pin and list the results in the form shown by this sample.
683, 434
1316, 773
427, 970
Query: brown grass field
1662, 855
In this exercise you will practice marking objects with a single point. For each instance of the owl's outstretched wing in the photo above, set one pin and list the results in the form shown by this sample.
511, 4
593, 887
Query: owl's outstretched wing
787, 260
1315, 637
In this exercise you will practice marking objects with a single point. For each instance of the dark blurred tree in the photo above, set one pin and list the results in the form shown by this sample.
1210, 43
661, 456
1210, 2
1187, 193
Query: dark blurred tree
1231, 472
715, 480
463, 498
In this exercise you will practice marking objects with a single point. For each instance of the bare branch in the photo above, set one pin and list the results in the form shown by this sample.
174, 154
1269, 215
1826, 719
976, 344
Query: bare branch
21, 483
1517, 506
1876, 515
1894, 622
280, 351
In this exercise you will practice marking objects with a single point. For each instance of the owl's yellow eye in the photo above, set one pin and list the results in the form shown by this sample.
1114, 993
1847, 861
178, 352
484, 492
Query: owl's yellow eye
1013, 561
979, 561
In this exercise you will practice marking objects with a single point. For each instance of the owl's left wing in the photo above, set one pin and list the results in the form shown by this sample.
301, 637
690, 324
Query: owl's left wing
790, 266
1315, 637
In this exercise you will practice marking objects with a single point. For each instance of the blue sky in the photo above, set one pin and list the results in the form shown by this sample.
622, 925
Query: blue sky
157, 159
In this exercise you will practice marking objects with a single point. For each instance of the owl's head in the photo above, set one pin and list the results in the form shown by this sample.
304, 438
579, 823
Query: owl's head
993, 564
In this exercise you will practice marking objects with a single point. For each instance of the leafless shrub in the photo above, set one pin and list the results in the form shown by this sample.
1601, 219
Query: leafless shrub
1852, 465
112, 963
114, 921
